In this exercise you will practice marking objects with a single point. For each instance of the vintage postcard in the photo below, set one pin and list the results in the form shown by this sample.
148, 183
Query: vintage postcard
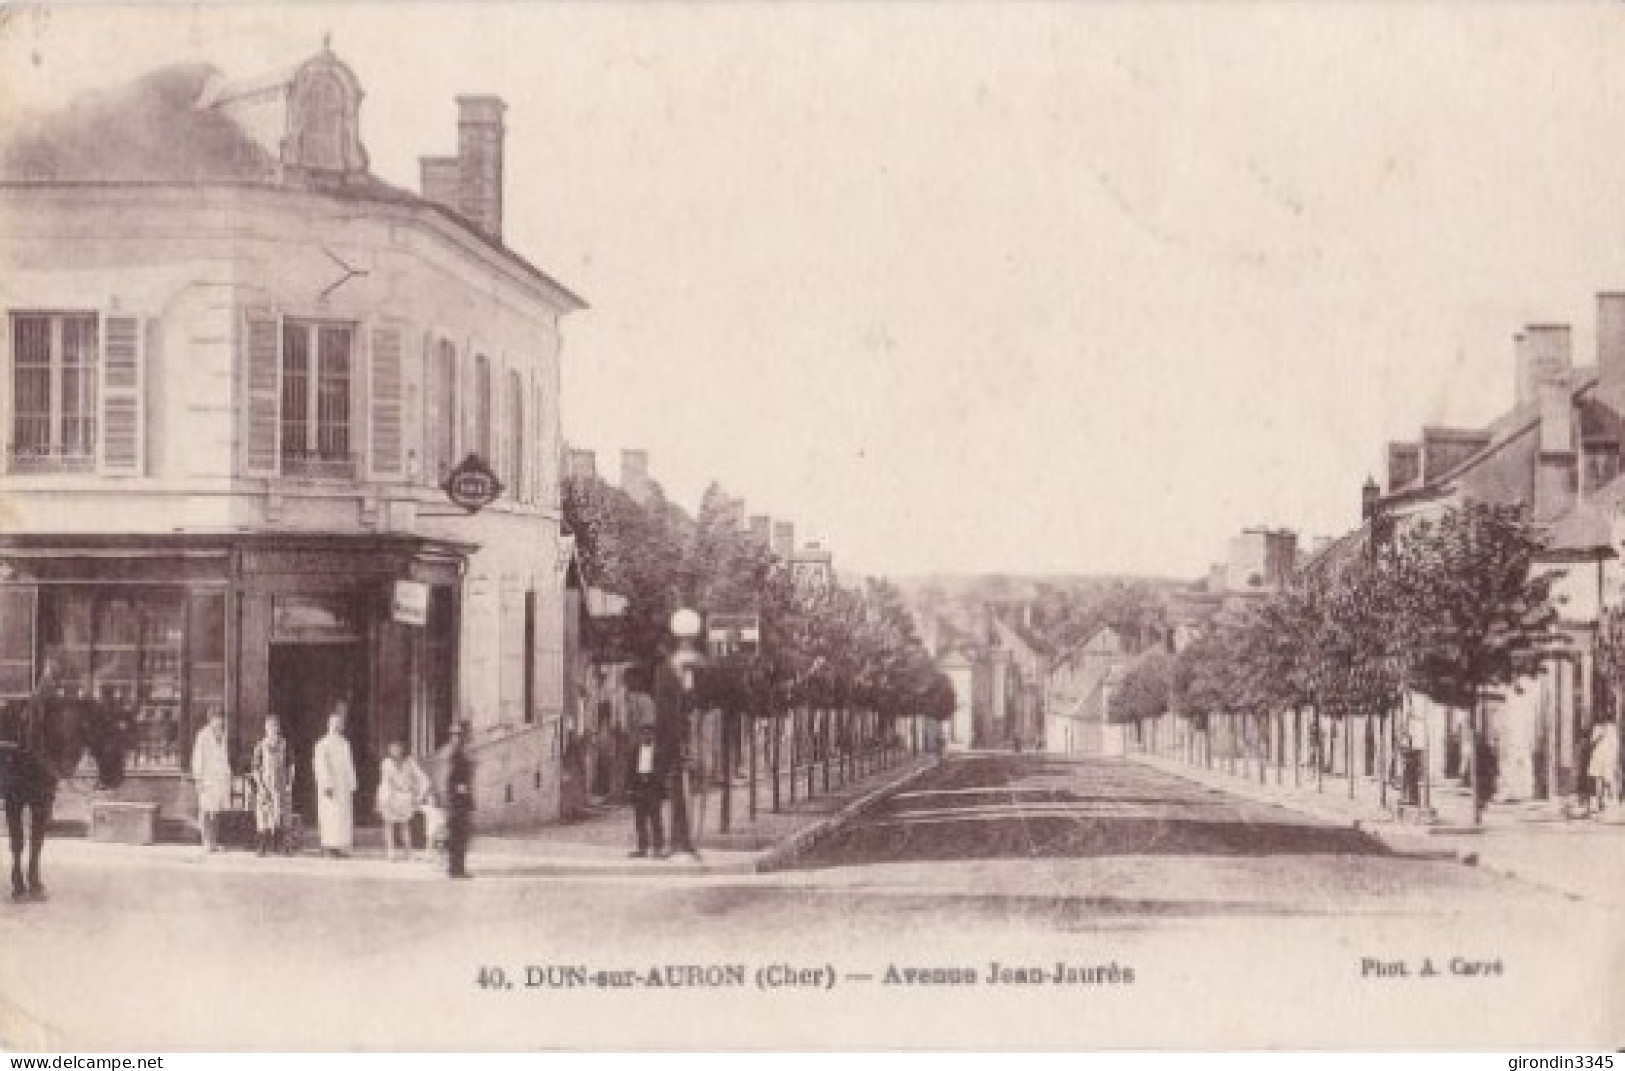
1007, 526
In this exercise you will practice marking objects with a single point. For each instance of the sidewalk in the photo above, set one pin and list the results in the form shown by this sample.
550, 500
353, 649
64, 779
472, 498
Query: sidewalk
1531, 841
595, 845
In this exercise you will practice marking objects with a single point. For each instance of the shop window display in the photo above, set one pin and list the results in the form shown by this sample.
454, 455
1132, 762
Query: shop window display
128, 647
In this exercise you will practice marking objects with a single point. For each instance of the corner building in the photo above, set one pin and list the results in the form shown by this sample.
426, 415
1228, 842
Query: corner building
236, 369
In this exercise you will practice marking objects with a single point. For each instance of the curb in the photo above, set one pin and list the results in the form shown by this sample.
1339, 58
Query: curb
1402, 843
511, 866
781, 855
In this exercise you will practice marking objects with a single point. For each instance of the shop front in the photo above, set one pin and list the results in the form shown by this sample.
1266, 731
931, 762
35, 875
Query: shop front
164, 631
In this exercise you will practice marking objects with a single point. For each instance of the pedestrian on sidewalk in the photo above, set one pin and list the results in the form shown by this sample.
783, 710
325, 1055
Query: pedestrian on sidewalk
335, 788
211, 772
402, 786
454, 775
645, 786
272, 771
1604, 766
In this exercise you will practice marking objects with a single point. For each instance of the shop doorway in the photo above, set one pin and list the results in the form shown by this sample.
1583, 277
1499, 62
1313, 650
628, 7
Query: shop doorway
308, 681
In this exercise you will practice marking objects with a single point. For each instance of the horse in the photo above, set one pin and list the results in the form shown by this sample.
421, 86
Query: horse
42, 741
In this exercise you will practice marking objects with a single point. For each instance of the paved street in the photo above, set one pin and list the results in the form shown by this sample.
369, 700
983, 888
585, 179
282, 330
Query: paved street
1225, 910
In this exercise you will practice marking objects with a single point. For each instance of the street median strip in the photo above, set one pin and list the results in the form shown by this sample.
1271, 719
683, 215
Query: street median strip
787, 851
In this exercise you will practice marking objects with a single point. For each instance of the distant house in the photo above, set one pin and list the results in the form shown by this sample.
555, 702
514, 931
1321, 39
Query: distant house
1027, 660
1078, 695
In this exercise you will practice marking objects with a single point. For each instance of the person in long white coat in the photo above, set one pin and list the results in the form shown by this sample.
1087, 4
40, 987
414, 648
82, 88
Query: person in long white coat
335, 789
211, 773
1603, 768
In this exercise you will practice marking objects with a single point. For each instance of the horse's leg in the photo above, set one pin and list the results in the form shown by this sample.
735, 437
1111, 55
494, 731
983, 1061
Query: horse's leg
14, 834
41, 815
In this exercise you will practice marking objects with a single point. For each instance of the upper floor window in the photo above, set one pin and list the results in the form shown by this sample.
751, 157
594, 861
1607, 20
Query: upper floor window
1601, 460
441, 433
482, 407
516, 434
320, 118
317, 386
54, 373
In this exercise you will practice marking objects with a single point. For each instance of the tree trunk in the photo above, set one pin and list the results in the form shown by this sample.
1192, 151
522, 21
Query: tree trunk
1261, 732
795, 725
827, 723
725, 758
1320, 750
753, 727
778, 742
1385, 757
1279, 732
1475, 724
1297, 746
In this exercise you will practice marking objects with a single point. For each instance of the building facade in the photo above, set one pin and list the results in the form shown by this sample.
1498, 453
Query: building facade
1556, 454
237, 370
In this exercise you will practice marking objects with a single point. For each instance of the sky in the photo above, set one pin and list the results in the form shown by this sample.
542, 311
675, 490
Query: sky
1009, 287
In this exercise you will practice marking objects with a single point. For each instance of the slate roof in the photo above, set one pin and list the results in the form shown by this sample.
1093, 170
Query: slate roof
164, 128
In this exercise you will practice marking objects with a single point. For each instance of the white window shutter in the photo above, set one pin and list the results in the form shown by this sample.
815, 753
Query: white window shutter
385, 448
498, 439
540, 455
429, 440
262, 394
122, 436
468, 411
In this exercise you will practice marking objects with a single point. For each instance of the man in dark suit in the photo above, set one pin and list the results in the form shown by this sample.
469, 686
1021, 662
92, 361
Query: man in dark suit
454, 776
646, 786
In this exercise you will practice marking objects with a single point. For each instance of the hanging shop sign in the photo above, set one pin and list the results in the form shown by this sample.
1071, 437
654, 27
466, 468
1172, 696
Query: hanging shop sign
410, 605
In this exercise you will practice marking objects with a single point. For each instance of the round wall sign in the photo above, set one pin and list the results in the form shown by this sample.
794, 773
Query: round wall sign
472, 485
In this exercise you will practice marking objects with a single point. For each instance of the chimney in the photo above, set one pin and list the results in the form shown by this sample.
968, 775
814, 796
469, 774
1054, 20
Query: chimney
1370, 495
1280, 557
1556, 471
784, 540
1542, 353
1556, 419
1611, 337
479, 157
1404, 465
635, 474
583, 465
761, 530
439, 180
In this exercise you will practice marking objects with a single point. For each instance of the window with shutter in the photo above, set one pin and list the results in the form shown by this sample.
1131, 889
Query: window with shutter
482, 407
55, 384
387, 455
516, 438
318, 400
430, 437
440, 397
543, 457
122, 435
262, 385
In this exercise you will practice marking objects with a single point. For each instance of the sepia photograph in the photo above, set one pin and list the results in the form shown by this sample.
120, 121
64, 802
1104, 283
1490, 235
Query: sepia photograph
696, 526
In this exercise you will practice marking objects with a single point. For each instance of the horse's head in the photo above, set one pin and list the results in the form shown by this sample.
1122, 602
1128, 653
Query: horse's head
105, 737
72, 727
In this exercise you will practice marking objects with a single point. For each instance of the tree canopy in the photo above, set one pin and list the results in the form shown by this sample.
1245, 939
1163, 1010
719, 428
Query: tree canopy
822, 644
